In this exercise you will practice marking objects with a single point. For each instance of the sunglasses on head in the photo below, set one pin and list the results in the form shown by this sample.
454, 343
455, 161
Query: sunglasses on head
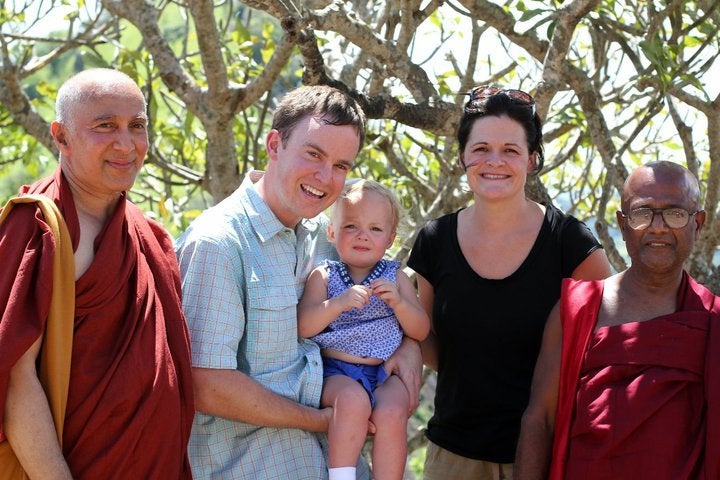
480, 93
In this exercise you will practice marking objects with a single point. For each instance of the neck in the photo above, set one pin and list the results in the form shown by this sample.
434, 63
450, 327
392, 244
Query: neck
659, 285
273, 202
502, 216
88, 204
358, 274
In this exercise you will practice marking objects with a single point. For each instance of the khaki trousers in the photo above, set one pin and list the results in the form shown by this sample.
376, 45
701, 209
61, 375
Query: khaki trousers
441, 464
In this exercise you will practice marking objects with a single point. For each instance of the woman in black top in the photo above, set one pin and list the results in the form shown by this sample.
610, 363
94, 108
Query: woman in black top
489, 274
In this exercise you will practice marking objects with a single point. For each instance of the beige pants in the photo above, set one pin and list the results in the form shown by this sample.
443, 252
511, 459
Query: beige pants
441, 464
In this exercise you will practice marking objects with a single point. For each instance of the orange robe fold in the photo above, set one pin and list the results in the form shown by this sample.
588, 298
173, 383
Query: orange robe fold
130, 403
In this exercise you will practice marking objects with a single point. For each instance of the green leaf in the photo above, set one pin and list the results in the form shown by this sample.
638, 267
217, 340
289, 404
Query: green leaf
528, 14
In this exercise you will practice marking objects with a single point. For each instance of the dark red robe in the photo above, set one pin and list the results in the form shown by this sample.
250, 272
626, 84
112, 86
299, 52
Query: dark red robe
130, 404
696, 458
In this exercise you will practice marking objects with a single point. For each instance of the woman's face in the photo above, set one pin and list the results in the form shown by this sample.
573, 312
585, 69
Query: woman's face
496, 158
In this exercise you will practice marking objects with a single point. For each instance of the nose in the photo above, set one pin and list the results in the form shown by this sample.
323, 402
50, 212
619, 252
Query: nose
657, 222
324, 172
123, 141
494, 158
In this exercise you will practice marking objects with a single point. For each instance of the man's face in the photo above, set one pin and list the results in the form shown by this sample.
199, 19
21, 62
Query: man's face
103, 145
659, 248
308, 172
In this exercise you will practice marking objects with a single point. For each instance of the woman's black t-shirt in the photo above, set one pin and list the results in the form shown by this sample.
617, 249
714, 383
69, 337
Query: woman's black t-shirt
489, 331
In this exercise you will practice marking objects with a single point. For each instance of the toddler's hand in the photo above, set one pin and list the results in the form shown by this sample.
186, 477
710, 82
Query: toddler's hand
356, 296
386, 291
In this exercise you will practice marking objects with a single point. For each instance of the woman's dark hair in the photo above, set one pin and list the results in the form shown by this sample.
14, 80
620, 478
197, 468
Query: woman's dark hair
497, 105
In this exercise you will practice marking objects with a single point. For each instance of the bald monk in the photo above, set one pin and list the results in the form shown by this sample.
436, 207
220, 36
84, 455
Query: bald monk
130, 404
627, 384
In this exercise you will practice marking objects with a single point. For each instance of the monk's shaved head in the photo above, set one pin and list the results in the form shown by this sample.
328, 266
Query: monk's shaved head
662, 172
87, 86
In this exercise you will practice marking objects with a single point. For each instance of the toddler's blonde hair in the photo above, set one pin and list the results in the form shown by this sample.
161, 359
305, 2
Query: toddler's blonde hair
356, 186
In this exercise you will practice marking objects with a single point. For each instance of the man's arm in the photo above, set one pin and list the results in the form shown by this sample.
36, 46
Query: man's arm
532, 460
28, 422
233, 395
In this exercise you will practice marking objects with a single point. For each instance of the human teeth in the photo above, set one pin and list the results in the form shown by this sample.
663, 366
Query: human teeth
494, 177
313, 191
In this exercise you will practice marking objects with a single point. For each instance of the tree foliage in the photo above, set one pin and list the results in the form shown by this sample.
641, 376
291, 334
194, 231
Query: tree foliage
618, 82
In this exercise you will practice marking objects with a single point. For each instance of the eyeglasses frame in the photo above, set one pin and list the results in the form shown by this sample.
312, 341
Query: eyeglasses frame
654, 211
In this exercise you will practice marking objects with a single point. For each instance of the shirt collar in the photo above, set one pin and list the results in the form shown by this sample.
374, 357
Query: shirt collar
263, 220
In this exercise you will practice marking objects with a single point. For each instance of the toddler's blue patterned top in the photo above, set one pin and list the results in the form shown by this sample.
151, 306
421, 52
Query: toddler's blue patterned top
372, 331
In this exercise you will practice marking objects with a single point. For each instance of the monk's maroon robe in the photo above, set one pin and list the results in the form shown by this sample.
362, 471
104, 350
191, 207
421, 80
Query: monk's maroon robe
130, 403
639, 400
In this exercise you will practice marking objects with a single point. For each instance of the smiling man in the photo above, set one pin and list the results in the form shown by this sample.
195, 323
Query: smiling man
244, 264
628, 378
129, 404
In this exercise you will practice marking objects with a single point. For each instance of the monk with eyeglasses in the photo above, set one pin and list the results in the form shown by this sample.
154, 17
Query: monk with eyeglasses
627, 385
488, 276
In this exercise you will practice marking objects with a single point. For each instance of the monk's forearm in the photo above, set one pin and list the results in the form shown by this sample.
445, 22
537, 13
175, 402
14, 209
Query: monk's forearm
233, 395
532, 460
28, 423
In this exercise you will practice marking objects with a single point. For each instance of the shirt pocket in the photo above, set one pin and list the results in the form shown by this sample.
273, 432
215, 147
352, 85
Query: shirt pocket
267, 295
271, 328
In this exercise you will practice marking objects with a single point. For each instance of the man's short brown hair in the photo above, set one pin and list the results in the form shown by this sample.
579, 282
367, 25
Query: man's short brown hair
328, 104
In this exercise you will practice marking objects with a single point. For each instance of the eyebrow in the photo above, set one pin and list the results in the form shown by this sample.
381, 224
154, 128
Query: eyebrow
506, 144
111, 116
349, 164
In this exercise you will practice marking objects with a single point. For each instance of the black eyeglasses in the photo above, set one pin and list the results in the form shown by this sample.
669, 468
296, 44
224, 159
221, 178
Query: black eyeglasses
642, 218
482, 92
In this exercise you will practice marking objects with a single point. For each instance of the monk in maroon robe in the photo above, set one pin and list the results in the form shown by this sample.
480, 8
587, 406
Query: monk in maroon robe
130, 404
627, 384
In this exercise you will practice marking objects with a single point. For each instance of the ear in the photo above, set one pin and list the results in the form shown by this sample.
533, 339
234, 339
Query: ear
699, 222
330, 233
531, 161
273, 143
620, 222
60, 136
461, 160
392, 239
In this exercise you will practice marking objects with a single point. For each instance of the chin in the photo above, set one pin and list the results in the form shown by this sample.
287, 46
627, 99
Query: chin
660, 265
123, 186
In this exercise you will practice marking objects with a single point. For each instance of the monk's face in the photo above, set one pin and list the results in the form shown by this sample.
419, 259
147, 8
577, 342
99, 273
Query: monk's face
103, 145
660, 248
307, 171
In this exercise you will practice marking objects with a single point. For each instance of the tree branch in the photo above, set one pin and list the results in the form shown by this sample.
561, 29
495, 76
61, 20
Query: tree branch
145, 18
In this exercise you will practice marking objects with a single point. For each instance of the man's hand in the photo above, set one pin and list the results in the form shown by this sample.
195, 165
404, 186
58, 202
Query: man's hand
406, 363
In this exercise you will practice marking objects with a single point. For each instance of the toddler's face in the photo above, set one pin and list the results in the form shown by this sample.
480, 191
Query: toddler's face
362, 230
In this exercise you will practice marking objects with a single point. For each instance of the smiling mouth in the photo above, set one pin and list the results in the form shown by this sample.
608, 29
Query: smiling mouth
494, 176
312, 191
122, 163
